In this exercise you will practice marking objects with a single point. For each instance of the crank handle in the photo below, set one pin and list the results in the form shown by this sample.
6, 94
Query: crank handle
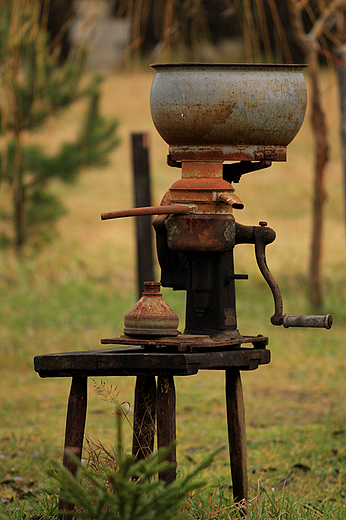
262, 237
291, 320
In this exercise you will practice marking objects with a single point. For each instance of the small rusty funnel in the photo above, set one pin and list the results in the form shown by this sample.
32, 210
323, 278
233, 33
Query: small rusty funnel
151, 315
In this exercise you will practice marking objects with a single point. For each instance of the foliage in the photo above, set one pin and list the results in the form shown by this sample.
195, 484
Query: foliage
38, 506
34, 88
129, 490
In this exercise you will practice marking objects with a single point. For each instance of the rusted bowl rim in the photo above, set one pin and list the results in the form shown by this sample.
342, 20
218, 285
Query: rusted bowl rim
230, 65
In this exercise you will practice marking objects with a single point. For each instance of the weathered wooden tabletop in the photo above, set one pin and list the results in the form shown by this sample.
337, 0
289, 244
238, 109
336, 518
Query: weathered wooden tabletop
137, 361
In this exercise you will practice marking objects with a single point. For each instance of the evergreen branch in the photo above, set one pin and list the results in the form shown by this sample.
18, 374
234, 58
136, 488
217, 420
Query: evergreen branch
34, 87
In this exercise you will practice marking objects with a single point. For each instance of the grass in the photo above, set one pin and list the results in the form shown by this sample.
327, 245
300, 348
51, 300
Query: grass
78, 289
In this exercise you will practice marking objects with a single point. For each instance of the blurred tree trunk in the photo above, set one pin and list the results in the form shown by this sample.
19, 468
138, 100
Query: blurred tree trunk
14, 99
55, 17
310, 45
319, 128
341, 72
19, 200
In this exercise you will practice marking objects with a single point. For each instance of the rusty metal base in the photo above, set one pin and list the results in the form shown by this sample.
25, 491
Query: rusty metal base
189, 342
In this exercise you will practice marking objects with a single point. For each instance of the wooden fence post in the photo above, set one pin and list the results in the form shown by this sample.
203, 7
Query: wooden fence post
140, 164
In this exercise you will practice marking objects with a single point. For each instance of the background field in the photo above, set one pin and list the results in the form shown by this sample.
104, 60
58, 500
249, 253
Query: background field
78, 289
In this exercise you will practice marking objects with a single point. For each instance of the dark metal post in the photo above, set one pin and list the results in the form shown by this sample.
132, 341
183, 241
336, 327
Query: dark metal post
140, 163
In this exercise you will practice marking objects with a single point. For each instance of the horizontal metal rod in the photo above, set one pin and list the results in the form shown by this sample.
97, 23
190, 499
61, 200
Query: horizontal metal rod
149, 210
290, 320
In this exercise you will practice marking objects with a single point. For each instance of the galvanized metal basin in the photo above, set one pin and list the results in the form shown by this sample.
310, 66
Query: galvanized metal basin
205, 105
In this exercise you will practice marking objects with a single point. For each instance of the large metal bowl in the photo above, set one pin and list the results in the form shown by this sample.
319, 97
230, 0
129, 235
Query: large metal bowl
197, 104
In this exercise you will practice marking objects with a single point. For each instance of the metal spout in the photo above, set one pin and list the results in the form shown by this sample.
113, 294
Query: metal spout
232, 200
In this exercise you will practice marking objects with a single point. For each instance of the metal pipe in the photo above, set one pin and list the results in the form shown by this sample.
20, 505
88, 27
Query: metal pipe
150, 210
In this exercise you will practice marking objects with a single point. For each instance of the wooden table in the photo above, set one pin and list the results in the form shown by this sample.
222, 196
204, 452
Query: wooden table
155, 396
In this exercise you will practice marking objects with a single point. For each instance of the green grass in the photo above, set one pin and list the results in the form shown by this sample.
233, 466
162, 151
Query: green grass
70, 295
295, 407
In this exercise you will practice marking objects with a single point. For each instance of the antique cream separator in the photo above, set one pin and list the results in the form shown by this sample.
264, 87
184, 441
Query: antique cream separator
212, 115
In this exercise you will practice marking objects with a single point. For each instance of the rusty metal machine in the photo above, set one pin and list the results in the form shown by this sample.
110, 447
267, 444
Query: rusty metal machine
221, 121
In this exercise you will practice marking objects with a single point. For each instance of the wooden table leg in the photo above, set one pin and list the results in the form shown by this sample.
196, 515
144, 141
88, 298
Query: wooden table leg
166, 428
74, 432
236, 434
144, 417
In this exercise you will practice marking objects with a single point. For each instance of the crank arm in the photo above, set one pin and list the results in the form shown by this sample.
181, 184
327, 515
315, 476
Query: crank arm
262, 237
